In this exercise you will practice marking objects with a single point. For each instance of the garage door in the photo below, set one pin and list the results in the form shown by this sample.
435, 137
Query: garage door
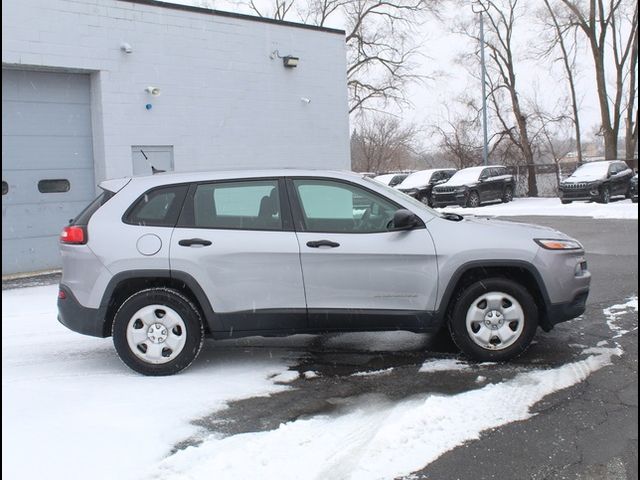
47, 163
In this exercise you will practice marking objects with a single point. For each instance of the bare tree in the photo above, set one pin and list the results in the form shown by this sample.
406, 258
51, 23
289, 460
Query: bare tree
502, 17
381, 43
383, 144
561, 39
611, 28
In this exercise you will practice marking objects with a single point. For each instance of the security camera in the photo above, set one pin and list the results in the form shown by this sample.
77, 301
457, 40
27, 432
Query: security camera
126, 48
155, 91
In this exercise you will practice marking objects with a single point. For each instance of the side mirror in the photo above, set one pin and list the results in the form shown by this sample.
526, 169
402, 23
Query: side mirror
404, 220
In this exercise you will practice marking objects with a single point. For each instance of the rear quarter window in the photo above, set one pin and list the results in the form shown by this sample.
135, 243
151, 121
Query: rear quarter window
85, 215
158, 207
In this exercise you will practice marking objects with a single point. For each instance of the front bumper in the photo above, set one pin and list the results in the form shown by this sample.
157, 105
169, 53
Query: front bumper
74, 316
587, 193
444, 199
562, 312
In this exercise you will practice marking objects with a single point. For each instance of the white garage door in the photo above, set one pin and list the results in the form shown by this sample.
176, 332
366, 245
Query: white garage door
47, 163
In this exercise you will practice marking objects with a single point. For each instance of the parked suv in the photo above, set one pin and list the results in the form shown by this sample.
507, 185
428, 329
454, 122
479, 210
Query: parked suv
597, 181
391, 179
633, 189
471, 187
419, 184
160, 262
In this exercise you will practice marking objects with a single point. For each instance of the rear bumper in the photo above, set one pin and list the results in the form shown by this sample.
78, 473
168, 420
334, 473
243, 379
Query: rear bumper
74, 316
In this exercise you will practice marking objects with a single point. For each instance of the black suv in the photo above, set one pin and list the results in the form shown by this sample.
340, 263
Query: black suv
473, 186
633, 189
420, 184
597, 181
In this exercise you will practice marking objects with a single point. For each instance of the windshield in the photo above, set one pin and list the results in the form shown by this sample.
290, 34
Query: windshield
417, 179
465, 176
590, 171
398, 195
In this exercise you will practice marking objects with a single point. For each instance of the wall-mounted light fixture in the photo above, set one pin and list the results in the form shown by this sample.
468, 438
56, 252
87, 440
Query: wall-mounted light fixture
126, 48
289, 61
155, 91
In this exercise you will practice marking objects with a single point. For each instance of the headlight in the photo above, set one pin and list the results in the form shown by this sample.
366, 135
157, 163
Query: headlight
554, 244
461, 189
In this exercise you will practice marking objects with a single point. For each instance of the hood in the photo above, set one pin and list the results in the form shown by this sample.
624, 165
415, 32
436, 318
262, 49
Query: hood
585, 177
535, 231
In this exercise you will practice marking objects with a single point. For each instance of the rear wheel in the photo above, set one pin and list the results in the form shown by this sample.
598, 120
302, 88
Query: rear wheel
565, 202
507, 195
493, 320
158, 331
473, 200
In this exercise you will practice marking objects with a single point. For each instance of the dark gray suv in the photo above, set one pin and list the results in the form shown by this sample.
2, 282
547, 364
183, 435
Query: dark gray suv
598, 182
160, 262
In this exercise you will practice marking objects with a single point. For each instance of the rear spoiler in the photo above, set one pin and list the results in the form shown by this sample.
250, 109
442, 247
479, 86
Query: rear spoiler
114, 185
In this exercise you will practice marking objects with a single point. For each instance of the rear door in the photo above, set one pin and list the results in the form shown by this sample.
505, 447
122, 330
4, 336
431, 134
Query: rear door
357, 273
236, 239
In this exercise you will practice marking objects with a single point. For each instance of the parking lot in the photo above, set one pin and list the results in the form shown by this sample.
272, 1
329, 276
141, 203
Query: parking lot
384, 405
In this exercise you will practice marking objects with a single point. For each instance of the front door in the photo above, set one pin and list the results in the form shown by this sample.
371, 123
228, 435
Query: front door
235, 238
357, 273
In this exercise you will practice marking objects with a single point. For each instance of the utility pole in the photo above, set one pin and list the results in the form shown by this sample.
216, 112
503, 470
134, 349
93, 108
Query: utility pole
485, 143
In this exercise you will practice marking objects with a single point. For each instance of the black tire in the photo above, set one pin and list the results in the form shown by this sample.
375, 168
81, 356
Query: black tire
507, 195
458, 320
473, 200
188, 313
426, 199
605, 195
634, 200
566, 202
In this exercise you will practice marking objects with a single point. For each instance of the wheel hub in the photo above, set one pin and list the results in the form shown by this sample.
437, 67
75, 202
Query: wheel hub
494, 319
157, 333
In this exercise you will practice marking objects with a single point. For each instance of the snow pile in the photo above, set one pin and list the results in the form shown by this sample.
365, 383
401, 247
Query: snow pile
443, 365
552, 207
372, 372
376, 441
71, 409
615, 311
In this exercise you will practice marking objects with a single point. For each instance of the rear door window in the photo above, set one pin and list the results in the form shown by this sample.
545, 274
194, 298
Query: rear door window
237, 205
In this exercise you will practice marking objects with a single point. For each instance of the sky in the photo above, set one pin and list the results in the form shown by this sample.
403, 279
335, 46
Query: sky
439, 48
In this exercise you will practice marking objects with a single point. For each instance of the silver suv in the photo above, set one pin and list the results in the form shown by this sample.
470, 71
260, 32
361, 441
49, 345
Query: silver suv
160, 262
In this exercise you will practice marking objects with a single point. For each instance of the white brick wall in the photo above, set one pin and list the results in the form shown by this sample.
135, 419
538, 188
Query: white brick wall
224, 103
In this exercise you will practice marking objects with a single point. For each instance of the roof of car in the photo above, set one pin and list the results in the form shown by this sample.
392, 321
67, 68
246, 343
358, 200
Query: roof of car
482, 167
158, 179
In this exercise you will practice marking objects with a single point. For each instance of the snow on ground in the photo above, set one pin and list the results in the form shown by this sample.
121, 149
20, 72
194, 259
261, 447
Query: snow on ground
376, 440
443, 365
552, 207
372, 372
71, 409
612, 313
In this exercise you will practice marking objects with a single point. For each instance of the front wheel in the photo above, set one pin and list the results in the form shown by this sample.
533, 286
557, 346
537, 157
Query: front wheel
158, 331
493, 320
565, 202
473, 200
507, 195
605, 195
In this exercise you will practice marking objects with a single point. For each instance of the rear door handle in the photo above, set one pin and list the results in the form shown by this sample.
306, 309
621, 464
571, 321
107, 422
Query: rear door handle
188, 242
322, 243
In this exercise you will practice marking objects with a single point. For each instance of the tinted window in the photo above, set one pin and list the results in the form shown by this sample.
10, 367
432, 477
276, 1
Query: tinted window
158, 207
329, 206
5, 188
86, 214
250, 205
54, 186
486, 173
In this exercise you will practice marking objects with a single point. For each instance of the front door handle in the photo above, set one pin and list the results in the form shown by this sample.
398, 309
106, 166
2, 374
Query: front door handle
322, 243
188, 242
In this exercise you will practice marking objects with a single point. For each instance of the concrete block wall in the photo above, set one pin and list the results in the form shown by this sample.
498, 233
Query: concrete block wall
224, 102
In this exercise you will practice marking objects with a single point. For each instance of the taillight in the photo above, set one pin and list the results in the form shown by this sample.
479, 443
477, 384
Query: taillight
73, 234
